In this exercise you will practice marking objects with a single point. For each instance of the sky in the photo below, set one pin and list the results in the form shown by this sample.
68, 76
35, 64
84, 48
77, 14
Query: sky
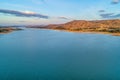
43, 12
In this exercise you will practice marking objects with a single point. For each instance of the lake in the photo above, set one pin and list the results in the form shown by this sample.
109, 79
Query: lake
34, 54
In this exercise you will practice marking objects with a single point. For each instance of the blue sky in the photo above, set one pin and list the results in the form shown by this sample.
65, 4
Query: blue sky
37, 12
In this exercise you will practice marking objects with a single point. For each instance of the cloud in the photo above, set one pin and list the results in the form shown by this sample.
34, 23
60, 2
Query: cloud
62, 18
21, 21
116, 16
107, 15
27, 14
23, 14
101, 11
115, 1
110, 15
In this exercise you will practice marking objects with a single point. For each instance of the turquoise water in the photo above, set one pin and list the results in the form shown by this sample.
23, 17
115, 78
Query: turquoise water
34, 54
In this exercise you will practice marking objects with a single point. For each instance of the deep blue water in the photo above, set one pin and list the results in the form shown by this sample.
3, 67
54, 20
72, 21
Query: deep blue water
33, 54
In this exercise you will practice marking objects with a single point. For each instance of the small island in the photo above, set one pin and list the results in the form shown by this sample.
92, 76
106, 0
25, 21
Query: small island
8, 29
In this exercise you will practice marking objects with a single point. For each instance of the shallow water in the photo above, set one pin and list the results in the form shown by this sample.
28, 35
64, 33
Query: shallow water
34, 54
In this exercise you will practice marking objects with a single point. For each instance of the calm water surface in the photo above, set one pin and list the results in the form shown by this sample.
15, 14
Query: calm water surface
34, 54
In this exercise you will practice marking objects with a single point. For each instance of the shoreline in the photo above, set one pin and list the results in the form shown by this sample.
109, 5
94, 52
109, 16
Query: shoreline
93, 32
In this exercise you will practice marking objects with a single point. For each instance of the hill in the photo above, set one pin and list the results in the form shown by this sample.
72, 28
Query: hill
112, 26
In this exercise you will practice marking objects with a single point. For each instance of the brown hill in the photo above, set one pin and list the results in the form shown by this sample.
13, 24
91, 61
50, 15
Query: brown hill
82, 25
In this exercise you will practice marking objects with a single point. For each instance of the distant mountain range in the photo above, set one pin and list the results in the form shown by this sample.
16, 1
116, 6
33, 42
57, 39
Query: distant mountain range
112, 26
109, 26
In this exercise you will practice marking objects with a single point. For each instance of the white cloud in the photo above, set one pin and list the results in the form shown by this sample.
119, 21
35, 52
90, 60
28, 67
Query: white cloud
115, 1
